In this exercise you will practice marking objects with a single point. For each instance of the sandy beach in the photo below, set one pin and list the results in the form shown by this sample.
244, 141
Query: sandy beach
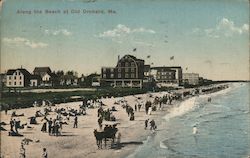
80, 142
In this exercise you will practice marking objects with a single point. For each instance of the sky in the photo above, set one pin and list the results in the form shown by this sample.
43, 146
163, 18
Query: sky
208, 37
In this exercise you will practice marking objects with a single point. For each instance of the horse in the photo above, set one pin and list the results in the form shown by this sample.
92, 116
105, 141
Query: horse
109, 134
106, 134
99, 136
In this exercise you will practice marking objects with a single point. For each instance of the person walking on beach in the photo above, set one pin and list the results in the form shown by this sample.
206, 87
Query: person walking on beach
147, 105
16, 125
160, 105
6, 110
152, 125
50, 126
139, 107
45, 154
150, 110
75, 122
146, 124
57, 126
44, 127
11, 124
195, 130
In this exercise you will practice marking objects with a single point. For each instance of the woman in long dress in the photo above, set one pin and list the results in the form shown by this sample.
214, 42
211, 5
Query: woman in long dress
44, 127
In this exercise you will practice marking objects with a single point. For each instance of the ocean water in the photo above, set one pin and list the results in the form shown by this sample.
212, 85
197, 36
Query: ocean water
223, 128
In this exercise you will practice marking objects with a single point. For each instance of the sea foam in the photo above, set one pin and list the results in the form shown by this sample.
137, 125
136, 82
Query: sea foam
182, 109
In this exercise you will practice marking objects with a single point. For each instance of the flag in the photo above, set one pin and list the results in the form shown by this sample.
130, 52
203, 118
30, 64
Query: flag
172, 58
134, 49
148, 56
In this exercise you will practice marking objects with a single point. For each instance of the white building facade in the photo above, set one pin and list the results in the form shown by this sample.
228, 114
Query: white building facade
191, 78
17, 78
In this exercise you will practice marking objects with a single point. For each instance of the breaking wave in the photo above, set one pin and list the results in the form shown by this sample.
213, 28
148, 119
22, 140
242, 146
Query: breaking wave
182, 109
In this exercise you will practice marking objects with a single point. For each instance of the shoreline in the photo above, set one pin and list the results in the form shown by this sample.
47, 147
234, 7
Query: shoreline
161, 119
82, 141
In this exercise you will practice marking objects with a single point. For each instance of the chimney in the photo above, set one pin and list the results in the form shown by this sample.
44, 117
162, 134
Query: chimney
118, 57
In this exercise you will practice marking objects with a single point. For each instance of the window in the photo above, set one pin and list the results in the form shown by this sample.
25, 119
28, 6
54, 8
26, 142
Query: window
20, 77
104, 76
111, 70
14, 83
132, 75
132, 69
119, 70
20, 83
132, 64
9, 77
14, 77
126, 69
126, 76
112, 75
119, 64
126, 64
9, 83
119, 75
104, 69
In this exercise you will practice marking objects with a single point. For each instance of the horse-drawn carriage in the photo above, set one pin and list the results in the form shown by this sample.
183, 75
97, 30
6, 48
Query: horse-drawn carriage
108, 134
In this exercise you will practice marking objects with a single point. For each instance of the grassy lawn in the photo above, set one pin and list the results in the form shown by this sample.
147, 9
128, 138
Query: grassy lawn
24, 100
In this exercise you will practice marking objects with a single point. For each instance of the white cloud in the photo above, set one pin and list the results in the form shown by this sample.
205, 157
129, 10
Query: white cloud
24, 41
122, 30
141, 29
64, 32
228, 28
225, 27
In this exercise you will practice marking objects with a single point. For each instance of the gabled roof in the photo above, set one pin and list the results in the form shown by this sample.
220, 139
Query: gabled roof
11, 71
136, 60
42, 69
23, 71
133, 57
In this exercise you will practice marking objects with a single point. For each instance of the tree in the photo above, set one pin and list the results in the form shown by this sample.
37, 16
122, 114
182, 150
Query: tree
60, 73
71, 73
